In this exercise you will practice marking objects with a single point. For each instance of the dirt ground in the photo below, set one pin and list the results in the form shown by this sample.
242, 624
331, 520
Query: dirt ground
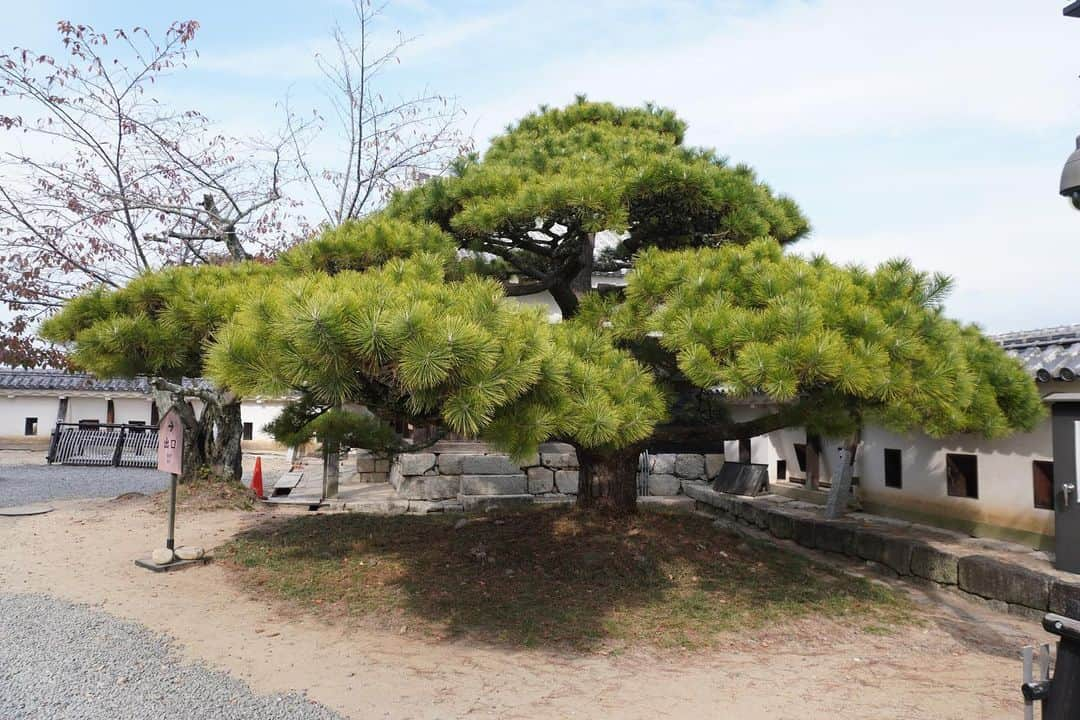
961, 663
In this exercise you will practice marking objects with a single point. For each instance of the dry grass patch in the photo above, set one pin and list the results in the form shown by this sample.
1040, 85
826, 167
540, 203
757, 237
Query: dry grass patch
207, 493
549, 577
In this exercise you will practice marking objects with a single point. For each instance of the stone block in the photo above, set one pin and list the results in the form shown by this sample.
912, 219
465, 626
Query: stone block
450, 463
488, 465
566, 481
803, 530
365, 463
700, 492
781, 525
754, 514
378, 507
559, 460
690, 466
556, 447
430, 487
416, 463
896, 554
997, 580
494, 484
664, 485
382, 465
488, 503
541, 480
869, 545
450, 505
835, 537
933, 563
713, 463
394, 477
1062, 595
663, 464
421, 507
530, 460
554, 500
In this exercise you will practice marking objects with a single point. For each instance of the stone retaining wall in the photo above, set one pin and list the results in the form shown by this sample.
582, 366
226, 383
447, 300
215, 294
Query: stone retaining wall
1009, 577
371, 469
442, 475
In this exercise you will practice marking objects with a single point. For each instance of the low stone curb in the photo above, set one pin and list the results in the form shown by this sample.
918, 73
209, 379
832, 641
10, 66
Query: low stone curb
945, 559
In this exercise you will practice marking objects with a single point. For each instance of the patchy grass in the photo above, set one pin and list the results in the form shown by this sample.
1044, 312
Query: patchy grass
548, 577
207, 492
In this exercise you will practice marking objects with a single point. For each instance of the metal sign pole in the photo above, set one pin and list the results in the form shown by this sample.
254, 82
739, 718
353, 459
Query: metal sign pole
170, 460
169, 540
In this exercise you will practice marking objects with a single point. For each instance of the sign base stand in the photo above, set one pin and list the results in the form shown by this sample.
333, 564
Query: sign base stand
149, 564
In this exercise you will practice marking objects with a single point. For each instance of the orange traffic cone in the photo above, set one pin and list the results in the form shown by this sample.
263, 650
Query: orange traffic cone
256, 480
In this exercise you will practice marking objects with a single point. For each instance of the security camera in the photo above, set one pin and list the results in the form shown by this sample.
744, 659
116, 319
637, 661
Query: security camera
1070, 177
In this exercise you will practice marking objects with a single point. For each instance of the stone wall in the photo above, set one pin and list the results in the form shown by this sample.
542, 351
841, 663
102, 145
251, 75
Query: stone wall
668, 471
447, 474
371, 469
1008, 577
468, 478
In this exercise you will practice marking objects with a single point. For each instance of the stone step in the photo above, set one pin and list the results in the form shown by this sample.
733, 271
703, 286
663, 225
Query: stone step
509, 484
485, 503
676, 503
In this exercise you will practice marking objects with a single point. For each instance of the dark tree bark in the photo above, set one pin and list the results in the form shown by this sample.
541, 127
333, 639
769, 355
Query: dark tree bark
211, 438
607, 479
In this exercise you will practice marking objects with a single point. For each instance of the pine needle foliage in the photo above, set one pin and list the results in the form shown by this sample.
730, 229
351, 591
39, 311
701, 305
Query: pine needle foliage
844, 343
405, 343
557, 176
158, 324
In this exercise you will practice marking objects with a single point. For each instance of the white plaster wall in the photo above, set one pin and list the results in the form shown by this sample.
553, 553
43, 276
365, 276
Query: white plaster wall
1006, 495
132, 409
14, 411
87, 408
259, 413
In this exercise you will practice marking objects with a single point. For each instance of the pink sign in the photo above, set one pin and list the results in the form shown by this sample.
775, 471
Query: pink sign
170, 449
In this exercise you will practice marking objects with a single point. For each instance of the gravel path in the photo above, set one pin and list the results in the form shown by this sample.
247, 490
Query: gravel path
27, 484
60, 661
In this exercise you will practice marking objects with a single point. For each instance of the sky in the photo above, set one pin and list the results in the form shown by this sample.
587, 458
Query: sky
926, 129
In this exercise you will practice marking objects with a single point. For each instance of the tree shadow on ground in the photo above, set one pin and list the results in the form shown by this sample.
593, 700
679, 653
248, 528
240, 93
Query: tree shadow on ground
550, 577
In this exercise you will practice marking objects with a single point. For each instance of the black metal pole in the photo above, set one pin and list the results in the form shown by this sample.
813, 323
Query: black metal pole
1063, 699
169, 542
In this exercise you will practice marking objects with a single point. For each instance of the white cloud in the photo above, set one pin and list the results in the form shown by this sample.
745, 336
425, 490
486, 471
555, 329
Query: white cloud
831, 68
871, 82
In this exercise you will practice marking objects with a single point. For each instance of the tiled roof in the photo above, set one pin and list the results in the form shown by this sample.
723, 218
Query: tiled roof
58, 380
1048, 354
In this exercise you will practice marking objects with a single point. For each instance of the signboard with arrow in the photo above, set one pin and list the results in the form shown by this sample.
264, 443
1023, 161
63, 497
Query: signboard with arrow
170, 444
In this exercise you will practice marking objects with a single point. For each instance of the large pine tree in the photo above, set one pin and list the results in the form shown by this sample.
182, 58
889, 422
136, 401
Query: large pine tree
386, 320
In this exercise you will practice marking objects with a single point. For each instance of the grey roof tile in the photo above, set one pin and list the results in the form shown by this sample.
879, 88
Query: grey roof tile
1047, 354
59, 380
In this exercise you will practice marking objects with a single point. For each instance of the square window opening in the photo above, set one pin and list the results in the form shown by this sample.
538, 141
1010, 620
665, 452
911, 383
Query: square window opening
962, 475
894, 468
1042, 479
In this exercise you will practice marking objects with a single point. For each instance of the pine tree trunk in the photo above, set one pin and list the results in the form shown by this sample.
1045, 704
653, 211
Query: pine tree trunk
836, 503
212, 438
225, 430
607, 480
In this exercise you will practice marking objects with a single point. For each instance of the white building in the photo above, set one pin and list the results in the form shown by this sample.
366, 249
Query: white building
997, 488
32, 402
